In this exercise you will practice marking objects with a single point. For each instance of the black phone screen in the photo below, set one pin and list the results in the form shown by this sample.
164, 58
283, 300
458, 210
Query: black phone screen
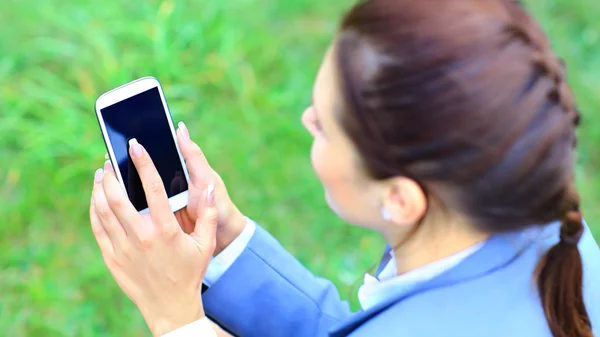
143, 117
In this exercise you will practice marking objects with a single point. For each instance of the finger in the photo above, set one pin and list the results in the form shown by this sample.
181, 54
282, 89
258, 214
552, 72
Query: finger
106, 156
189, 224
198, 167
105, 215
135, 190
118, 201
154, 189
181, 219
184, 221
200, 172
102, 238
206, 226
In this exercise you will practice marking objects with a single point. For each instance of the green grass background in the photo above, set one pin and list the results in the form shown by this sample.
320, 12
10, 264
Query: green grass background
239, 72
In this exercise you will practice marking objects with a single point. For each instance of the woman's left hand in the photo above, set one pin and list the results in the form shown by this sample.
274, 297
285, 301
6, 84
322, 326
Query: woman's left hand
157, 265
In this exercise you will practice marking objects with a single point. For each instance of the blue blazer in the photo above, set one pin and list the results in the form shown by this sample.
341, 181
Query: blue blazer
267, 292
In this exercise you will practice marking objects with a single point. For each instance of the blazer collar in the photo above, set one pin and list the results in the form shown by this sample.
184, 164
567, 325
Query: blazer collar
385, 258
498, 251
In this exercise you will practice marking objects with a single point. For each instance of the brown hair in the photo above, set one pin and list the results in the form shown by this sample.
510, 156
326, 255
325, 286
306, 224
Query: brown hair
467, 98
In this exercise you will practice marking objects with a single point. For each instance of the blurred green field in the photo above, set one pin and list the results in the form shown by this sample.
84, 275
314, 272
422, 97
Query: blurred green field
239, 72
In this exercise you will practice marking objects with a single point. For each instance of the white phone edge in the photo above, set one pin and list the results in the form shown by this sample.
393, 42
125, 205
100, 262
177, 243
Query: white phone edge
126, 91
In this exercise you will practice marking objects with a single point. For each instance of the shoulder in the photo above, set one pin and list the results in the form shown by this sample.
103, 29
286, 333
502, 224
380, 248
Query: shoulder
502, 303
466, 310
590, 256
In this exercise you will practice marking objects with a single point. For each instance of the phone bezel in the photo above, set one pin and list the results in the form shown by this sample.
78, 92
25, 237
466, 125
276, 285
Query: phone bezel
124, 92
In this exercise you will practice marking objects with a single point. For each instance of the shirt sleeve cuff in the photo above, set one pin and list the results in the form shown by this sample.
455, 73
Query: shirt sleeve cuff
220, 263
199, 328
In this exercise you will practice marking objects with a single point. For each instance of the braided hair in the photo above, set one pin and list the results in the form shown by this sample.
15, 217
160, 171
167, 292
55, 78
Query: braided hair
466, 98
562, 261
554, 296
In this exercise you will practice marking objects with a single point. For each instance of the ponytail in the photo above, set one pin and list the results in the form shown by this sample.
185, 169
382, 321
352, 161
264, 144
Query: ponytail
560, 280
560, 277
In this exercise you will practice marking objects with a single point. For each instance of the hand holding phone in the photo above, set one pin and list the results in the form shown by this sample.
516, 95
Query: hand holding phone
138, 110
157, 251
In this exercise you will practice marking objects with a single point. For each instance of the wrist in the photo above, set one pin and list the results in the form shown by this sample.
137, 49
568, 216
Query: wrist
169, 320
233, 227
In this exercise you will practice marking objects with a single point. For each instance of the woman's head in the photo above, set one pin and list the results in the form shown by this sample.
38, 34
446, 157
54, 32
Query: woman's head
350, 189
454, 107
465, 98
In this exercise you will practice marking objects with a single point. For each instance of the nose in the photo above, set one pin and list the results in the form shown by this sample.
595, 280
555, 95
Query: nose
306, 118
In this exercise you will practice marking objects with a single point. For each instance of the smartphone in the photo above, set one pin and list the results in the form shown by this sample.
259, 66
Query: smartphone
139, 110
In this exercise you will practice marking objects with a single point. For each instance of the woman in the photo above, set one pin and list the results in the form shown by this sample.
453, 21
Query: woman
446, 126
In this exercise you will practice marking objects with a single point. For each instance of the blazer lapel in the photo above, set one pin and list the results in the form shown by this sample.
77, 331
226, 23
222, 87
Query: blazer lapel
385, 259
498, 251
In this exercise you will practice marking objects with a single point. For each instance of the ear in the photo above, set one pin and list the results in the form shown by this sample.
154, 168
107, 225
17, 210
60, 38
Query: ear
405, 201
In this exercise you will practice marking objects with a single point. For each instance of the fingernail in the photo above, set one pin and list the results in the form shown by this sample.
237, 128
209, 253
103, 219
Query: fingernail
184, 131
136, 148
210, 195
98, 175
107, 166
106, 156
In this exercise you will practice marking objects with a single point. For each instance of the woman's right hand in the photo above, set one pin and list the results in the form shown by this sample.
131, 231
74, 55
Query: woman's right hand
231, 221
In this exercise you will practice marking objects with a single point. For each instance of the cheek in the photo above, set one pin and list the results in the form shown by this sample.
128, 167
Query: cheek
335, 176
323, 165
349, 196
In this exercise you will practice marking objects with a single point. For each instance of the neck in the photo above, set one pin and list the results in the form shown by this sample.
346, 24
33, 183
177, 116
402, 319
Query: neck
432, 242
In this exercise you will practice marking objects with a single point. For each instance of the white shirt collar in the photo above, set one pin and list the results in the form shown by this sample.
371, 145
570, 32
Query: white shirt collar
389, 284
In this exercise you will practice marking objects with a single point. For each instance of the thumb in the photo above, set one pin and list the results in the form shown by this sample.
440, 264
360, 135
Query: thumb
205, 231
196, 162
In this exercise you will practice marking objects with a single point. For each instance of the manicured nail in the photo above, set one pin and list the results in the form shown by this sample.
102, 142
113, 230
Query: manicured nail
106, 156
184, 131
210, 195
136, 148
107, 166
98, 175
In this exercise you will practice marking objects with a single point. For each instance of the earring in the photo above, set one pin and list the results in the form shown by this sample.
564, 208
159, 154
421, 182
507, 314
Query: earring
386, 214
